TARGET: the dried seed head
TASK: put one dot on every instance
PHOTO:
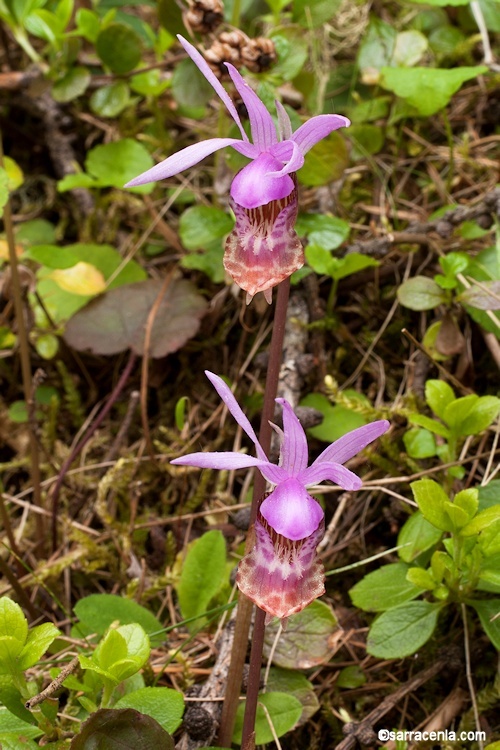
(220, 53)
(204, 16)
(258, 54)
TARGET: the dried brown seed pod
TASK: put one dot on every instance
(258, 54)
(234, 38)
(204, 16)
(220, 53)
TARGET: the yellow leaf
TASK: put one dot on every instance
(4, 250)
(81, 279)
(14, 173)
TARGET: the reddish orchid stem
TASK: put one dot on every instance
(83, 442)
(242, 627)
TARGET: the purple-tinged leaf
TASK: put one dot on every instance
(483, 296)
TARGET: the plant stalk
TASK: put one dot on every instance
(245, 606)
(24, 354)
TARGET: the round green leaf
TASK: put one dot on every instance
(421, 293)
(97, 612)
(73, 84)
(284, 711)
(109, 101)
(114, 164)
(166, 706)
(325, 162)
(119, 47)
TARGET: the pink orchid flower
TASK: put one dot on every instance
(263, 248)
(282, 573)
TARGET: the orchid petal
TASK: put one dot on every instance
(257, 183)
(182, 160)
(261, 122)
(317, 128)
(291, 511)
(293, 457)
(227, 396)
(289, 152)
(218, 460)
(204, 68)
(348, 445)
(337, 473)
(284, 124)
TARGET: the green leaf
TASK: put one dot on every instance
(457, 515)
(190, 88)
(438, 395)
(431, 500)
(376, 49)
(328, 232)
(39, 639)
(468, 500)
(409, 48)
(4, 190)
(350, 678)
(366, 139)
(72, 85)
(489, 494)
(489, 540)
(384, 588)
(481, 521)
(419, 443)
(114, 164)
(337, 420)
(296, 684)
(165, 705)
(88, 24)
(420, 293)
(119, 47)
(13, 632)
(427, 89)
(307, 640)
(488, 611)
(202, 225)
(208, 261)
(97, 612)
(110, 100)
(325, 162)
(203, 574)
(429, 424)
(416, 536)
(481, 416)
(149, 83)
(313, 13)
(421, 578)
(284, 711)
(350, 264)
(121, 729)
(123, 651)
(403, 630)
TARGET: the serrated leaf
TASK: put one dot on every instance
(420, 293)
(117, 320)
(403, 630)
(165, 705)
(202, 575)
(284, 711)
(307, 640)
(427, 89)
(121, 729)
(384, 588)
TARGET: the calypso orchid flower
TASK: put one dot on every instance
(282, 573)
(263, 249)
